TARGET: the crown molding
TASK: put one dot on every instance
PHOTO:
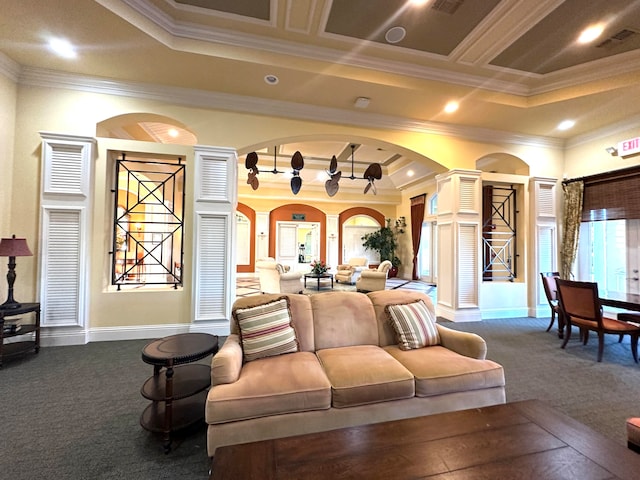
(9, 68)
(606, 132)
(258, 106)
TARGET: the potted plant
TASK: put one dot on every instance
(385, 242)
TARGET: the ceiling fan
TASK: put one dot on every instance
(372, 173)
(297, 164)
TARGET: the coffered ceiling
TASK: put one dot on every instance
(515, 66)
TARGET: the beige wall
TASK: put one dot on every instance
(78, 113)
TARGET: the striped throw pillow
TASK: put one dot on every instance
(414, 325)
(266, 330)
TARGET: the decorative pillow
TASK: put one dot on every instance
(266, 330)
(414, 325)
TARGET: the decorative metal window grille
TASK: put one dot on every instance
(499, 233)
(148, 227)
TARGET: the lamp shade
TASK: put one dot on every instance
(14, 247)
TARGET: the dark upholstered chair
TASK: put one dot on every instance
(580, 305)
(551, 291)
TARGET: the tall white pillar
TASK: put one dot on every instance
(459, 239)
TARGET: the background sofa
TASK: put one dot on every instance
(276, 278)
(350, 272)
(372, 280)
(348, 370)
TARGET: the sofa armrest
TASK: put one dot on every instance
(464, 343)
(227, 363)
(373, 274)
(291, 276)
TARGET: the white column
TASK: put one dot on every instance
(214, 275)
(262, 235)
(332, 241)
(459, 236)
(544, 258)
(63, 264)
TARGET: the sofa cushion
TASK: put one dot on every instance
(414, 325)
(438, 370)
(271, 386)
(343, 319)
(365, 374)
(265, 330)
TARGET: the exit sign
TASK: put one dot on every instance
(629, 147)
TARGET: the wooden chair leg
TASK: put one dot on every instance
(600, 345)
(567, 335)
(634, 347)
(553, 319)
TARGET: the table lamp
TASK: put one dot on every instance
(13, 247)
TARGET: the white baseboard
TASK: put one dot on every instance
(58, 338)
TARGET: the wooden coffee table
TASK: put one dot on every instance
(524, 440)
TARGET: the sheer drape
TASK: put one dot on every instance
(573, 193)
(417, 216)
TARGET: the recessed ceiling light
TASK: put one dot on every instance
(271, 79)
(395, 34)
(173, 132)
(362, 102)
(566, 124)
(410, 173)
(62, 48)
(451, 107)
(418, 3)
(590, 33)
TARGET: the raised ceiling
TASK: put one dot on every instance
(514, 65)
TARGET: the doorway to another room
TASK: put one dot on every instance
(297, 244)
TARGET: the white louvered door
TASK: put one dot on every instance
(214, 238)
(67, 166)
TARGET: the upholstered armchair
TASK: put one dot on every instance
(350, 272)
(275, 278)
(372, 280)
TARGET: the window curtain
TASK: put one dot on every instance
(417, 216)
(573, 194)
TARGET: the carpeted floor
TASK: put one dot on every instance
(73, 412)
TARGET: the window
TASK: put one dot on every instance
(499, 240)
(148, 225)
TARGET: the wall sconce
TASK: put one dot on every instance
(332, 236)
(262, 235)
(13, 247)
(613, 151)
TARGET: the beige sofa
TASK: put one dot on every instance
(350, 272)
(348, 371)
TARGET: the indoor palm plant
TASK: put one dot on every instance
(385, 242)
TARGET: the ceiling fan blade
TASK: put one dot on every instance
(366, 189)
(373, 171)
(297, 162)
(333, 165)
(331, 186)
(251, 161)
(296, 183)
(253, 180)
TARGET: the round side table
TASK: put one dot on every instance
(178, 396)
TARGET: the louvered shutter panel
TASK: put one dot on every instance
(61, 256)
(67, 166)
(215, 199)
(212, 265)
(467, 195)
(467, 265)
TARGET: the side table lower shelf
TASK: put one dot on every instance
(185, 407)
(185, 412)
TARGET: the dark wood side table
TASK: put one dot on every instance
(318, 277)
(178, 396)
(17, 348)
